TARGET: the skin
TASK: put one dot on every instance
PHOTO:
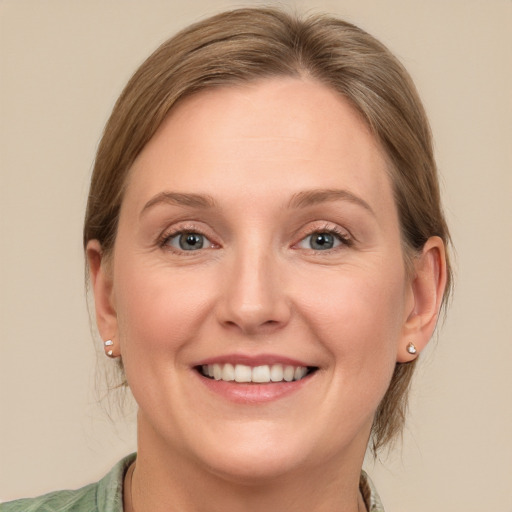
(258, 287)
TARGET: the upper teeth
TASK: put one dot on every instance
(260, 374)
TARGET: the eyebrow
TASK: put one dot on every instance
(298, 200)
(312, 197)
(179, 199)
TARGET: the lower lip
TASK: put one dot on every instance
(253, 393)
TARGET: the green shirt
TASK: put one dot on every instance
(103, 496)
(107, 495)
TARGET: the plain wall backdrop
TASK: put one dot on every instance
(63, 64)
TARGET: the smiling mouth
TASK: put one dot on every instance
(263, 374)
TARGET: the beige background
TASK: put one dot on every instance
(63, 63)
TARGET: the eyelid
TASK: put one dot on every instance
(343, 235)
(181, 228)
(173, 239)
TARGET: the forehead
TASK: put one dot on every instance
(286, 133)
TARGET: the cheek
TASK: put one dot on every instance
(358, 315)
(158, 308)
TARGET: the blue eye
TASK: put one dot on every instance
(188, 241)
(321, 241)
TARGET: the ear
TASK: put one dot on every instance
(101, 280)
(427, 290)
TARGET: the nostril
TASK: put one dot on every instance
(254, 325)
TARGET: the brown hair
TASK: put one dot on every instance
(249, 44)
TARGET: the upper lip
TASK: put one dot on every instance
(252, 360)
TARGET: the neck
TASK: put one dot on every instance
(166, 481)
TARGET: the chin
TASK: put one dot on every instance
(255, 466)
(267, 452)
(247, 452)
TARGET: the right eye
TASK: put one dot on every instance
(187, 241)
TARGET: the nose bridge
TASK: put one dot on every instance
(253, 296)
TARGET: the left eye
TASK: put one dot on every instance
(188, 241)
(320, 241)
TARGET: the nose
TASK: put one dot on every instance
(253, 297)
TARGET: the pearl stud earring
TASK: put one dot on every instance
(411, 348)
(110, 352)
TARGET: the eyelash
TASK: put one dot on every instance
(342, 236)
(163, 240)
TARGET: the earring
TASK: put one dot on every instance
(411, 348)
(110, 352)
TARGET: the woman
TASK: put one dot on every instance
(267, 253)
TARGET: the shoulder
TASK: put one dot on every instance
(107, 494)
(370, 495)
(83, 500)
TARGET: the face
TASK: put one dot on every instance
(258, 288)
